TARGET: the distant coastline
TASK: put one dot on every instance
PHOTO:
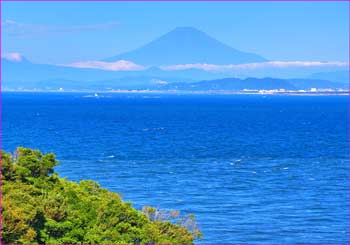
(282, 92)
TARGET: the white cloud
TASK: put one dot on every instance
(13, 57)
(160, 82)
(15, 28)
(251, 66)
(120, 65)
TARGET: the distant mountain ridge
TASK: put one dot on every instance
(236, 84)
(187, 45)
(175, 84)
(25, 72)
(183, 45)
(336, 76)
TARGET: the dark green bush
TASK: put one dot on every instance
(40, 207)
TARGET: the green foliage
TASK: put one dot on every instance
(40, 207)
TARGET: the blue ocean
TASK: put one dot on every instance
(251, 168)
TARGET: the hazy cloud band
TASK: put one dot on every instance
(14, 28)
(121, 65)
(261, 65)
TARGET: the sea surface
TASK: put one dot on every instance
(251, 168)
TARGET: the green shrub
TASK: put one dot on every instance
(40, 207)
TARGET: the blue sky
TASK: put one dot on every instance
(63, 32)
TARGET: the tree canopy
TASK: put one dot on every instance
(40, 207)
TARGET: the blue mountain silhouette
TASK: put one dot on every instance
(186, 45)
